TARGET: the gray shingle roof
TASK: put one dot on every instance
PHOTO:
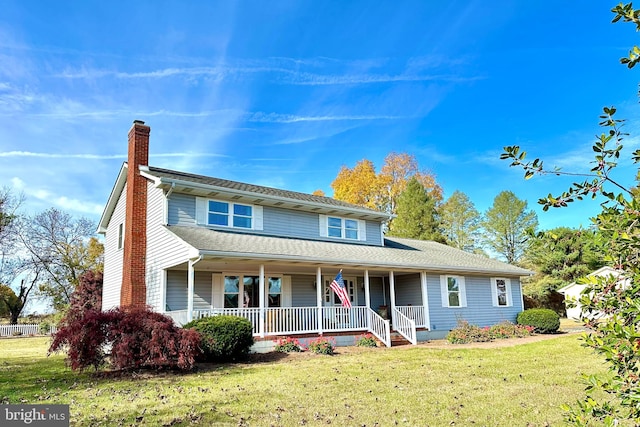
(397, 253)
(251, 188)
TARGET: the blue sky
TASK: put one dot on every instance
(284, 93)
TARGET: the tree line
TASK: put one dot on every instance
(415, 200)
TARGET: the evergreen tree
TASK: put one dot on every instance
(417, 216)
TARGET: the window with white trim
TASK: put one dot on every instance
(229, 214)
(342, 228)
(501, 292)
(243, 291)
(121, 235)
(453, 291)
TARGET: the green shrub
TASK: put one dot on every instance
(223, 338)
(288, 345)
(44, 328)
(544, 320)
(367, 340)
(322, 346)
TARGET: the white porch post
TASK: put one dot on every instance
(262, 301)
(319, 286)
(190, 287)
(367, 294)
(392, 293)
(163, 291)
(425, 299)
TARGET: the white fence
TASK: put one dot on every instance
(24, 330)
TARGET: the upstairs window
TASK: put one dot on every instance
(218, 213)
(342, 228)
(228, 214)
(242, 215)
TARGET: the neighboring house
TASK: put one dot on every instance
(573, 291)
(192, 246)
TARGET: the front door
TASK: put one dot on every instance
(331, 299)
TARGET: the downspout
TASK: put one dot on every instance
(191, 286)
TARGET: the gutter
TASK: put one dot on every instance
(434, 269)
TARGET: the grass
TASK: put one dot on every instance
(521, 385)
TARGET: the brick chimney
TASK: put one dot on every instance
(133, 292)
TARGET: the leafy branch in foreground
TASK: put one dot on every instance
(607, 152)
(610, 305)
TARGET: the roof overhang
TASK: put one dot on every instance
(213, 191)
(121, 180)
(346, 263)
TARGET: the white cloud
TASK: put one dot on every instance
(290, 118)
(315, 71)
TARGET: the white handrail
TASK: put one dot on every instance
(405, 326)
(379, 327)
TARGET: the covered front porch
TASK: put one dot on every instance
(285, 299)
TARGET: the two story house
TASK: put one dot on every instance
(190, 246)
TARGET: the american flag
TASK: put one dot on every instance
(338, 287)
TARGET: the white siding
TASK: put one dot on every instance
(163, 249)
(113, 256)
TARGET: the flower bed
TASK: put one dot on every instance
(466, 333)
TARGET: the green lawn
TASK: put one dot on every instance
(522, 385)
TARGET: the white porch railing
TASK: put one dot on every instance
(300, 320)
(405, 326)
(291, 320)
(251, 314)
(379, 327)
(335, 319)
(415, 313)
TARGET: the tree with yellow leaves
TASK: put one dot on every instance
(364, 187)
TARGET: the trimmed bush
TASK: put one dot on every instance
(544, 320)
(223, 338)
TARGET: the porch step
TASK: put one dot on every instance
(398, 340)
